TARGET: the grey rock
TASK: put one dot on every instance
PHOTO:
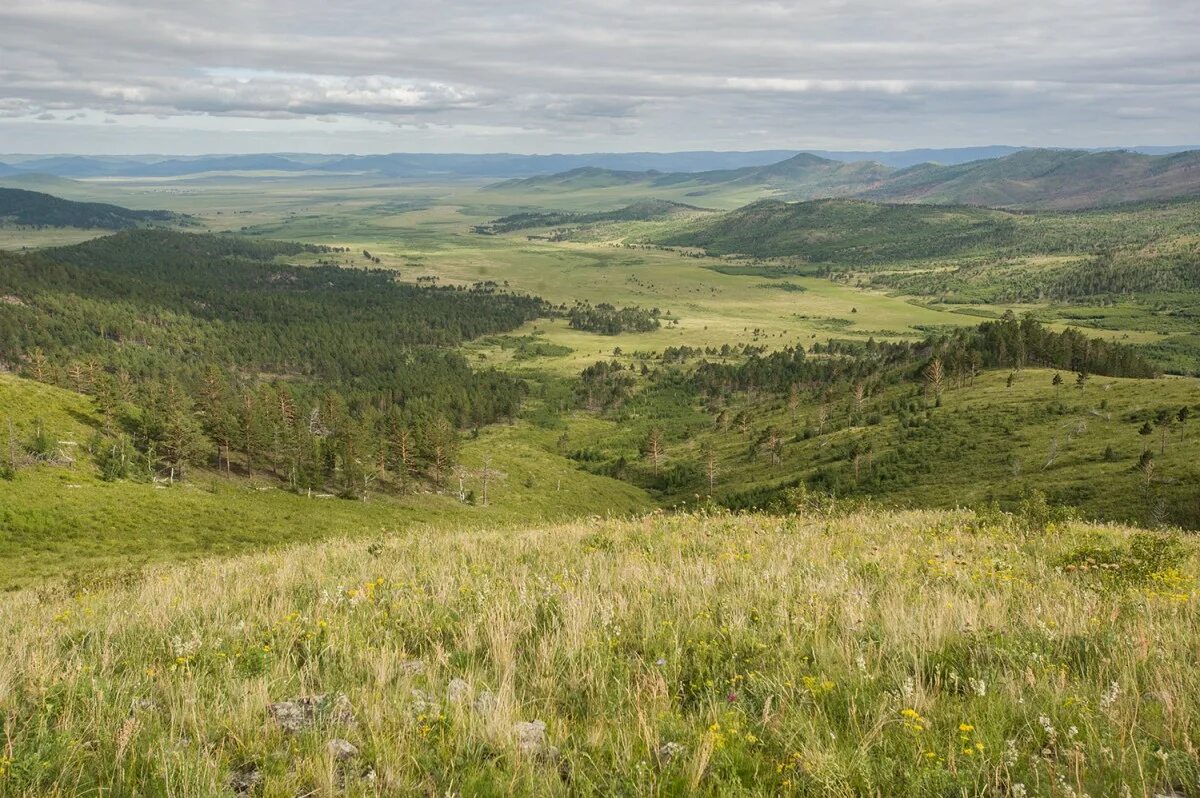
(458, 691)
(531, 736)
(412, 667)
(341, 749)
(304, 712)
(245, 779)
(485, 703)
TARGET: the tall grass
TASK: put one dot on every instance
(914, 653)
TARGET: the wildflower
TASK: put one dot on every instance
(913, 721)
(1110, 695)
(670, 750)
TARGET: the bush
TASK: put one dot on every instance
(1035, 515)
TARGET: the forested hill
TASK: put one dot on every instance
(156, 303)
(848, 231)
(283, 363)
(35, 209)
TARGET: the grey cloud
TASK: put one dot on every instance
(574, 74)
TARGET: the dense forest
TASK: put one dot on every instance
(205, 349)
(35, 209)
(606, 319)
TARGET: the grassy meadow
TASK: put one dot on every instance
(904, 653)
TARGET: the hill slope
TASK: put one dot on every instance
(59, 518)
(1065, 179)
(641, 211)
(867, 654)
(1052, 179)
(33, 208)
(846, 231)
(802, 175)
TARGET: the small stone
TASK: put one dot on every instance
(424, 704)
(292, 716)
(670, 750)
(341, 749)
(485, 703)
(412, 667)
(303, 712)
(245, 779)
(341, 711)
(531, 736)
(458, 691)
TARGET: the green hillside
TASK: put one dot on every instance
(848, 231)
(647, 210)
(61, 517)
(1062, 179)
(34, 209)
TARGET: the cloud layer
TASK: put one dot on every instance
(374, 75)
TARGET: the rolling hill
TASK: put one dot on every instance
(641, 211)
(847, 231)
(35, 209)
(802, 176)
(1059, 179)
(1028, 179)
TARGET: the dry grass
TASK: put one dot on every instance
(916, 653)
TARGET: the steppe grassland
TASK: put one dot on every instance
(921, 653)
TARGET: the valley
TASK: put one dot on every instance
(584, 484)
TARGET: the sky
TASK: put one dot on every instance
(370, 76)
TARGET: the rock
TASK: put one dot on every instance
(424, 704)
(303, 712)
(341, 749)
(292, 716)
(412, 667)
(485, 703)
(341, 711)
(531, 736)
(669, 751)
(458, 691)
(245, 779)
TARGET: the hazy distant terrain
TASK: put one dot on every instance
(1063, 179)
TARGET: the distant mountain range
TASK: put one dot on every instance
(491, 165)
(1057, 179)
(35, 209)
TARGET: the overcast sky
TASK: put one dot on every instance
(190, 76)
